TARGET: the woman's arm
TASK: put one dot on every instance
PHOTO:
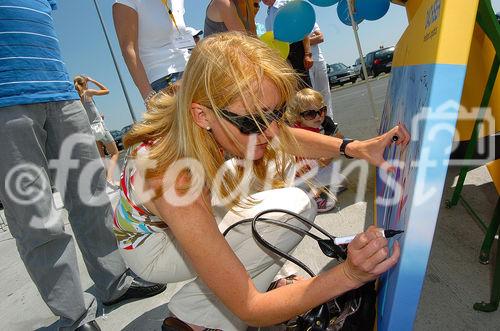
(126, 26)
(308, 60)
(314, 145)
(225, 11)
(316, 38)
(103, 90)
(194, 227)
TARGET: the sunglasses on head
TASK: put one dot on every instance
(250, 125)
(311, 114)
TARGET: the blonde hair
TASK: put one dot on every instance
(304, 99)
(222, 68)
(80, 83)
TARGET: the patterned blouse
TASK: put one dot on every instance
(133, 223)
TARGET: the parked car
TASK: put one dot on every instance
(378, 61)
(117, 136)
(125, 129)
(357, 67)
(339, 74)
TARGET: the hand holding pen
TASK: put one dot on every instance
(348, 239)
(368, 256)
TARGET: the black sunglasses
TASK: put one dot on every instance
(311, 114)
(250, 125)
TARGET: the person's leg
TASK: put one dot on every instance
(48, 252)
(330, 175)
(319, 81)
(312, 75)
(194, 303)
(159, 259)
(113, 158)
(100, 148)
(79, 177)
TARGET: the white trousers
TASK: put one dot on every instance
(319, 81)
(160, 259)
(328, 175)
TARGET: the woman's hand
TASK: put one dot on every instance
(372, 150)
(308, 61)
(368, 257)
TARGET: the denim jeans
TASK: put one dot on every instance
(165, 81)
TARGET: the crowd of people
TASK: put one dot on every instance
(226, 119)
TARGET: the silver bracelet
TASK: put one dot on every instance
(148, 97)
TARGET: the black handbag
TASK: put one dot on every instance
(352, 311)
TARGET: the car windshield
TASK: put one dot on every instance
(338, 67)
(115, 133)
(125, 129)
(384, 52)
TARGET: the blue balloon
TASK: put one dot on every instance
(372, 9)
(343, 13)
(294, 21)
(323, 3)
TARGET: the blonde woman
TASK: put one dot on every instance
(178, 194)
(102, 136)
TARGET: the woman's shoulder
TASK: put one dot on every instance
(215, 3)
(216, 7)
(85, 96)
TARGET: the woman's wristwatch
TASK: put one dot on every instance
(345, 142)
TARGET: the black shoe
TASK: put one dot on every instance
(139, 289)
(174, 324)
(90, 326)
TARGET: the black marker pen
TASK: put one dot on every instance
(348, 239)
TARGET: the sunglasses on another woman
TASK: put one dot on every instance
(253, 125)
(311, 114)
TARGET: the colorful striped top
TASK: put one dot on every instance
(133, 223)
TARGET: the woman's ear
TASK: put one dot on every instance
(200, 115)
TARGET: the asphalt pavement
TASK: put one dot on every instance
(455, 280)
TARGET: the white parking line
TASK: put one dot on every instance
(357, 92)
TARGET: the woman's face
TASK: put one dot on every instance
(251, 146)
(84, 85)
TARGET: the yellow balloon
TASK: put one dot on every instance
(281, 46)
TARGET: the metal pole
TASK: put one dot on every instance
(362, 59)
(131, 110)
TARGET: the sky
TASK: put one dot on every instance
(85, 51)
